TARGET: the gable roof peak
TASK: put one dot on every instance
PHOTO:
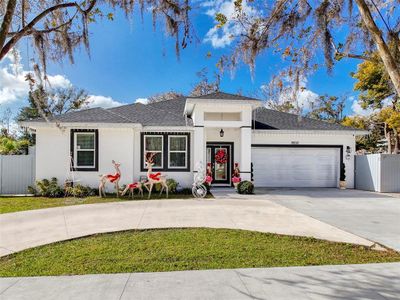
(223, 96)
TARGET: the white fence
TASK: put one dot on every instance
(378, 172)
(17, 172)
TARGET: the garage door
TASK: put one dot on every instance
(295, 167)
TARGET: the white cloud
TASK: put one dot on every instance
(14, 88)
(142, 100)
(221, 37)
(102, 101)
(358, 110)
(59, 81)
(305, 99)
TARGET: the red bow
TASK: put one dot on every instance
(155, 176)
(133, 185)
(113, 178)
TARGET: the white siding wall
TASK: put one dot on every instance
(119, 144)
(230, 135)
(245, 111)
(284, 138)
(123, 145)
(52, 155)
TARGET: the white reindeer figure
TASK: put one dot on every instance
(111, 178)
(155, 178)
(132, 187)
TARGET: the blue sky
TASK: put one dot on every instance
(129, 61)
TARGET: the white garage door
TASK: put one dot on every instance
(295, 167)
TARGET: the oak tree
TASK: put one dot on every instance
(57, 27)
(306, 32)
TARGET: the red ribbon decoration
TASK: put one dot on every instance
(221, 157)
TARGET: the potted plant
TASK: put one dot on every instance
(236, 176)
(342, 182)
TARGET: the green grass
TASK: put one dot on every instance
(183, 249)
(14, 204)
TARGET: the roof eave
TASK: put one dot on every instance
(54, 124)
(313, 131)
(191, 103)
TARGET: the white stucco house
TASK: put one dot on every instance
(272, 148)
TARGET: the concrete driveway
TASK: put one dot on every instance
(27, 229)
(373, 216)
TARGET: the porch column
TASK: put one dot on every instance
(245, 153)
(199, 147)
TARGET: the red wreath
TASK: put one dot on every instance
(221, 157)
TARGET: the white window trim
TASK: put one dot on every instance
(161, 151)
(177, 151)
(91, 150)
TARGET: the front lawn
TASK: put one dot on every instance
(183, 249)
(14, 204)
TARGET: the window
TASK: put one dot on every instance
(171, 149)
(84, 145)
(177, 151)
(154, 144)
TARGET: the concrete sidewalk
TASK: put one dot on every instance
(28, 229)
(373, 281)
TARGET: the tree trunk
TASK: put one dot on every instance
(6, 24)
(388, 136)
(383, 49)
(396, 149)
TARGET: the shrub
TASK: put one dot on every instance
(172, 185)
(48, 188)
(245, 187)
(32, 190)
(80, 191)
(12, 146)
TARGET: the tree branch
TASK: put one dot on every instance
(29, 27)
(339, 55)
(5, 26)
(48, 30)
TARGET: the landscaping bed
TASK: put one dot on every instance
(183, 249)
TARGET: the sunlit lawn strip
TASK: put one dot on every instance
(183, 249)
(14, 204)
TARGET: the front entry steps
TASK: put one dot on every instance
(225, 193)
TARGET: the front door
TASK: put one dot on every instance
(220, 156)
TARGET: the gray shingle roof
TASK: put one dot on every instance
(170, 113)
(265, 118)
(91, 115)
(165, 113)
(223, 96)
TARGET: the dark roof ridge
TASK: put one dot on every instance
(160, 109)
(127, 104)
(227, 95)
